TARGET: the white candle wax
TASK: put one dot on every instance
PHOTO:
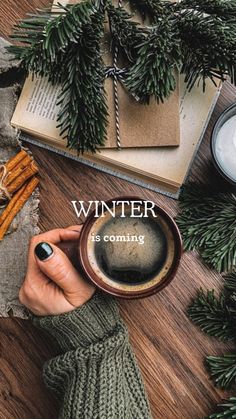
(225, 148)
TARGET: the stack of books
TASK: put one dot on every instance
(159, 141)
(162, 168)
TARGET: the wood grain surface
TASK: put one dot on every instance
(169, 348)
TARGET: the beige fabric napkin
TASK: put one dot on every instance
(13, 249)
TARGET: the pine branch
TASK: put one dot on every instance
(227, 410)
(189, 197)
(208, 47)
(213, 316)
(230, 282)
(47, 35)
(126, 33)
(230, 291)
(217, 317)
(157, 59)
(55, 29)
(66, 48)
(219, 8)
(223, 370)
(152, 9)
(83, 115)
(208, 224)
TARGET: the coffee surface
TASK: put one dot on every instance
(131, 250)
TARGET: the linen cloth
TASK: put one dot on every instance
(13, 248)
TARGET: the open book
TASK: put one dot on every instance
(161, 169)
(140, 125)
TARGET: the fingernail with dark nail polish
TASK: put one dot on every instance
(43, 251)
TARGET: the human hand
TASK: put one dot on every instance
(52, 285)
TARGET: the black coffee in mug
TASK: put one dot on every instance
(131, 250)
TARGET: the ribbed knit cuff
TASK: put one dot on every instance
(92, 322)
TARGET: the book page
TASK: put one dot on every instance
(42, 101)
(36, 110)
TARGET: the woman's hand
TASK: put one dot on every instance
(52, 285)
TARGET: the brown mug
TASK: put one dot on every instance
(126, 266)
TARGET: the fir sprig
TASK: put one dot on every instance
(65, 45)
(213, 315)
(230, 283)
(227, 410)
(223, 370)
(47, 35)
(222, 9)
(207, 221)
(152, 9)
(82, 98)
(126, 33)
(217, 317)
(153, 73)
(198, 32)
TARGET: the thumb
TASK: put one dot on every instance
(56, 266)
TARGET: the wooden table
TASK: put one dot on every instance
(169, 348)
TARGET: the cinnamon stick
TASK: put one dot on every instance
(12, 203)
(23, 195)
(14, 161)
(18, 169)
(27, 173)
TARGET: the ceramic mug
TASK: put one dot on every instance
(130, 257)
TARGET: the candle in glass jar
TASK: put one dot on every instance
(224, 144)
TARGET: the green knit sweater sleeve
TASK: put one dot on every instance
(96, 375)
